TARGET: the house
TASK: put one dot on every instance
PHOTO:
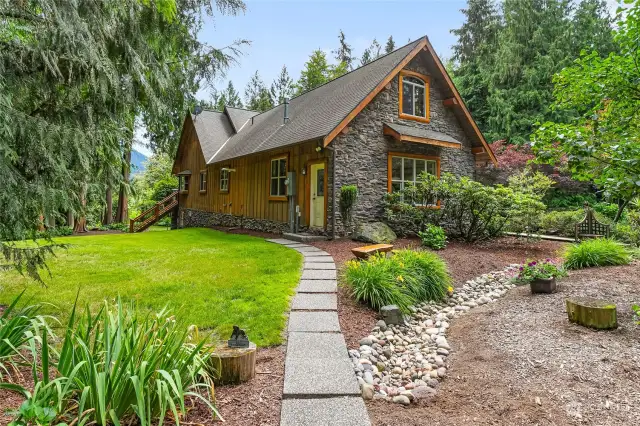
(377, 127)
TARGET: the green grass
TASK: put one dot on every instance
(208, 278)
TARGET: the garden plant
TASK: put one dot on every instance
(596, 252)
(433, 237)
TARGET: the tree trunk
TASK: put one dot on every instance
(622, 204)
(122, 214)
(108, 211)
(70, 219)
(234, 365)
(592, 313)
(81, 224)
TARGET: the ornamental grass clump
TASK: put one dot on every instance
(117, 367)
(596, 252)
(402, 279)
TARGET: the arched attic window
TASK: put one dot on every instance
(414, 96)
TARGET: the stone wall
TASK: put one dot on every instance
(361, 154)
(191, 218)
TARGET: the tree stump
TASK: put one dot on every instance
(234, 365)
(592, 313)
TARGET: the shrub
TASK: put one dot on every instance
(402, 279)
(433, 237)
(629, 231)
(561, 222)
(569, 201)
(58, 231)
(117, 368)
(596, 252)
(348, 197)
(469, 210)
(608, 210)
(18, 326)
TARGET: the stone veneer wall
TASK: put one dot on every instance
(361, 154)
(190, 218)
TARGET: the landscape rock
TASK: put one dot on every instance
(374, 232)
(401, 399)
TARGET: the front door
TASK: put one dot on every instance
(316, 215)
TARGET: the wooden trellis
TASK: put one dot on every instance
(590, 227)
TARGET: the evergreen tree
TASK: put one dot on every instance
(474, 55)
(228, 97)
(256, 94)
(317, 72)
(591, 29)
(390, 46)
(371, 53)
(343, 53)
(282, 87)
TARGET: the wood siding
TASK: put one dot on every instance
(248, 193)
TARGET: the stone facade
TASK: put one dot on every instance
(361, 154)
(192, 218)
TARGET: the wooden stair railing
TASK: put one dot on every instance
(154, 214)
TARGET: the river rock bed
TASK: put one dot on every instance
(404, 363)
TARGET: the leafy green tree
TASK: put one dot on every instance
(390, 46)
(228, 97)
(155, 183)
(256, 94)
(344, 52)
(317, 71)
(282, 87)
(602, 141)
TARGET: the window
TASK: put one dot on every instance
(405, 170)
(224, 180)
(413, 96)
(278, 177)
(203, 181)
(184, 183)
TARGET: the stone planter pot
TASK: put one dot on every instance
(542, 285)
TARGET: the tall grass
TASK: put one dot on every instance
(596, 252)
(115, 367)
(402, 279)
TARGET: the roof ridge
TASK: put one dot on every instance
(241, 109)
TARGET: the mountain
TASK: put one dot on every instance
(137, 162)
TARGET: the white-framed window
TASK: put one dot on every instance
(278, 178)
(414, 96)
(406, 170)
(203, 180)
(224, 180)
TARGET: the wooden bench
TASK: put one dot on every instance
(366, 251)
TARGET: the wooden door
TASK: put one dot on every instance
(318, 191)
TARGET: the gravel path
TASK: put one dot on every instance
(519, 361)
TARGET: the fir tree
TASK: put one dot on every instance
(390, 46)
(344, 53)
(229, 97)
(317, 72)
(256, 94)
(282, 87)
(371, 53)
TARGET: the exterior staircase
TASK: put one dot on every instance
(154, 214)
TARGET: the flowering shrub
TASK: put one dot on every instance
(545, 270)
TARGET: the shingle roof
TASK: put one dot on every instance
(239, 116)
(213, 129)
(312, 115)
(420, 132)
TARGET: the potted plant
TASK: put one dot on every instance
(541, 276)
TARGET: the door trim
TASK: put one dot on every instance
(308, 191)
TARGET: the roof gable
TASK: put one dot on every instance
(238, 116)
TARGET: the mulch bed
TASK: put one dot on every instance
(520, 362)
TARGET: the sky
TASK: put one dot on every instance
(286, 32)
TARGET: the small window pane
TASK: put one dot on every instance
(431, 167)
(408, 169)
(274, 168)
(396, 186)
(419, 107)
(274, 186)
(407, 99)
(320, 183)
(414, 80)
(396, 168)
(420, 167)
(283, 167)
(283, 187)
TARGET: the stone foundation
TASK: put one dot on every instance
(191, 218)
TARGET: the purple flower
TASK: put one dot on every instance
(522, 268)
(534, 263)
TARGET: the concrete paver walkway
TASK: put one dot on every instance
(320, 386)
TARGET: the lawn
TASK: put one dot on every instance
(208, 278)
